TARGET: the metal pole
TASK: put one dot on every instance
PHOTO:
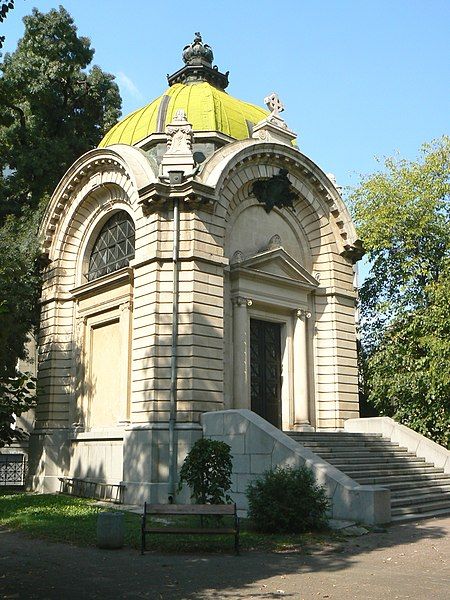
(173, 356)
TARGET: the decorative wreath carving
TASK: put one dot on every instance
(276, 191)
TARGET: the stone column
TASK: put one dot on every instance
(241, 353)
(301, 396)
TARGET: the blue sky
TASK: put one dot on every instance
(359, 78)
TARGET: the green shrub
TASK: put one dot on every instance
(287, 500)
(207, 471)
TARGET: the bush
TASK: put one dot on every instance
(207, 471)
(287, 500)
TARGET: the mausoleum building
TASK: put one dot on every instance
(197, 261)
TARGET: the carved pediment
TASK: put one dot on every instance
(276, 263)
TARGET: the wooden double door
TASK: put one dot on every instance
(265, 370)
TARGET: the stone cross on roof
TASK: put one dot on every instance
(274, 104)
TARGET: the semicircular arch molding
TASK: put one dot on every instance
(242, 162)
(126, 168)
(308, 222)
(80, 229)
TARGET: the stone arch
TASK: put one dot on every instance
(104, 170)
(252, 160)
(81, 226)
(322, 230)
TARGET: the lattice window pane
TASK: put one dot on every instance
(114, 246)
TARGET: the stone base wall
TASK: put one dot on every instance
(256, 446)
(138, 457)
(49, 459)
(146, 460)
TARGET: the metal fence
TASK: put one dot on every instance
(13, 470)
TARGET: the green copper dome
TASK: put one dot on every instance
(198, 88)
(207, 107)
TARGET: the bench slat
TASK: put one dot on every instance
(189, 509)
(188, 530)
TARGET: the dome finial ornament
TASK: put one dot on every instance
(198, 53)
(198, 58)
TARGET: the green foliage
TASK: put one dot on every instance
(207, 471)
(59, 518)
(19, 287)
(403, 217)
(409, 372)
(17, 395)
(74, 520)
(5, 7)
(287, 500)
(19, 313)
(51, 109)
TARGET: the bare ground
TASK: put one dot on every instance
(405, 561)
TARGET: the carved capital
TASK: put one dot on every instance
(302, 313)
(241, 301)
(125, 306)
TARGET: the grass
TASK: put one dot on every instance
(74, 520)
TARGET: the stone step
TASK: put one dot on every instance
(379, 445)
(419, 498)
(387, 480)
(386, 470)
(423, 515)
(417, 487)
(336, 437)
(376, 460)
(422, 488)
(349, 453)
(419, 508)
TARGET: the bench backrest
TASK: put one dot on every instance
(189, 509)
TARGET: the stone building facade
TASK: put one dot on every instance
(197, 261)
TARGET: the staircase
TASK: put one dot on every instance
(418, 489)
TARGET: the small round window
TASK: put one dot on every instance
(114, 246)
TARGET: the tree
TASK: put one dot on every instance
(19, 287)
(403, 216)
(17, 395)
(51, 111)
(5, 7)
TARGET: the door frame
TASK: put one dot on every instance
(272, 287)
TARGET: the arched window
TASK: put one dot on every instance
(114, 246)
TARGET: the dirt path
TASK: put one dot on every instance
(406, 561)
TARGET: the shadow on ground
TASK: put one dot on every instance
(31, 568)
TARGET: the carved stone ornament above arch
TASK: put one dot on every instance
(225, 166)
(98, 171)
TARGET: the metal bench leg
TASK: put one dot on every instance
(143, 524)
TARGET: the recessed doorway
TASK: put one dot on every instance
(265, 369)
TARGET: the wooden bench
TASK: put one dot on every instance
(216, 510)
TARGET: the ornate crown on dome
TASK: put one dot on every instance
(198, 53)
(198, 59)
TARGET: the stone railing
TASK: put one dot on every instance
(406, 437)
(256, 446)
